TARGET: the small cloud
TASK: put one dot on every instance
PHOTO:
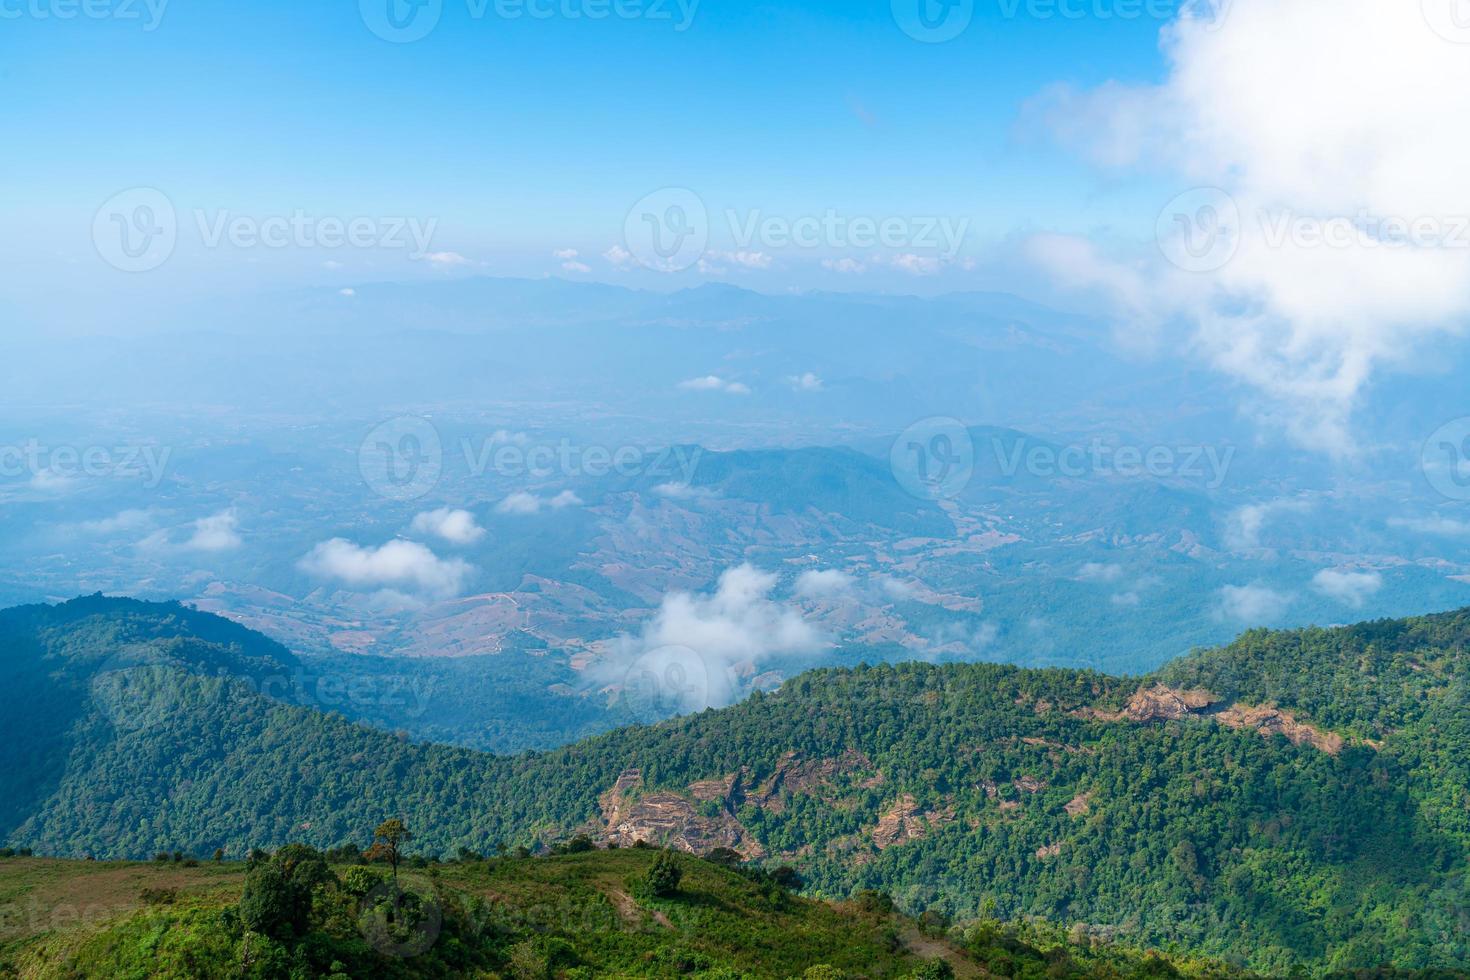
(566, 498)
(215, 533)
(1253, 604)
(331, 264)
(897, 589)
(504, 437)
(347, 292)
(447, 259)
(1097, 572)
(576, 267)
(1244, 525)
(917, 265)
(682, 491)
(1350, 588)
(49, 481)
(520, 503)
(844, 266)
(454, 526)
(618, 256)
(1445, 527)
(565, 254)
(396, 566)
(825, 583)
(712, 382)
(1127, 600)
(805, 382)
(523, 504)
(121, 522)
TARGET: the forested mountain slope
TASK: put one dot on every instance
(1294, 797)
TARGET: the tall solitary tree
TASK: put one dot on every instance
(388, 841)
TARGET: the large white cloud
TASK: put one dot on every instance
(1252, 605)
(1348, 587)
(1343, 116)
(738, 625)
(400, 566)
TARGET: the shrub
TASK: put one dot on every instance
(278, 893)
(664, 875)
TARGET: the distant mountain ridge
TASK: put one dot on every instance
(1266, 802)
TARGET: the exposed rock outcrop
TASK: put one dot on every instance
(1273, 721)
(670, 820)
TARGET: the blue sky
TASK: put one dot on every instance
(520, 136)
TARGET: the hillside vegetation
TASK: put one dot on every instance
(1296, 798)
(573, 916)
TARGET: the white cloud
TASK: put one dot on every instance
(1447, 527)
(454, 526)
(1254, 605)
(1350, 588)
(504, 437)
(49, 481)
(397, 565)
(215, 533)
(576, 267)
(844, 266)
(565, 254)
(524, 504)
(825, 583)
(898, 589)
(519, 502)
(1098, 572)
(1244, 525)
(738, 625)
(681, 491)
(618, 256)
(917, 265)
(347, 292)
(1337, 110)
(805, 382)
(447, 259)
(126, 520)
(711, 382)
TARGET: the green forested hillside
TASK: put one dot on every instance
(1293, 798)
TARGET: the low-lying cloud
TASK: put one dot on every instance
(400, 566)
